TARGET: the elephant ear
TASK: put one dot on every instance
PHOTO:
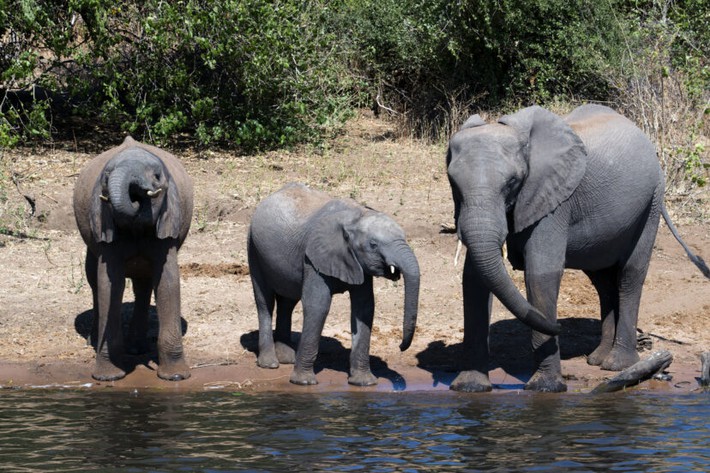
(101, 219)
(328, 247)
(473, 121)
(170, 218)
(557, 161)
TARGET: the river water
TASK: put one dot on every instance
(371, 432)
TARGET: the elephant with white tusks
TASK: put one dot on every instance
(133, 206)
(584, 192)
(304, 245)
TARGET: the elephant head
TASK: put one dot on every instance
(135, 193)
(348, 242)
(504, 178)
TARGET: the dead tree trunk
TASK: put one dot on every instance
(634, 374)
(705, 369)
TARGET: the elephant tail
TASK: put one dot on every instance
(697, 260)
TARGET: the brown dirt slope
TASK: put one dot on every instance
(45, 302)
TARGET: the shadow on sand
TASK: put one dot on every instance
(510, 350)
(334, 356)
(84, 322)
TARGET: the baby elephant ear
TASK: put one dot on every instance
(101, 221)
(170, 218)
(328, 247)
(557, 161)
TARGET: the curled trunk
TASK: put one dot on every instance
(484, 249)
(119, 183)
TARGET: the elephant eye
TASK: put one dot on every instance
(511, 185)
(373, 245)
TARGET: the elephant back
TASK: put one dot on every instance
(289, 207)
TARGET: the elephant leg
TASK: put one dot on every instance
(264, 298)
(362, 311)
(477, 303)
(544, 267)
(282, 335)
(110, 284)
(631, 277)
(316, 299)
(166, 282)
(605, 281)
(91, 267)
(138, 328)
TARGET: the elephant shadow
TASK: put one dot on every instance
(509, 342)
(85, 320)
(334, 356)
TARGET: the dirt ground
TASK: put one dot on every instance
(45, 302)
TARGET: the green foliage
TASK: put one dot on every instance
(682, 29)
(23, 123)
(256, 74)
(420, 57)
(250, 73)
(662, 82)
(694, 165)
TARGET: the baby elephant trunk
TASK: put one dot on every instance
(405, 261)
(119, 183)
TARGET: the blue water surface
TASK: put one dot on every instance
(342, 432)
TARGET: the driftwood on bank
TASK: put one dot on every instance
(634, 374)
(705, 369)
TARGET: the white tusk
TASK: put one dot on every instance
(458, 253)
(103, 197)
(392, 269)
(155, 192)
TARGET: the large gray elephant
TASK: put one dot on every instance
(304, 245)
(133, 206)
(583, 192)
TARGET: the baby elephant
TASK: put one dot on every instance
(304, 245)
(133, 207)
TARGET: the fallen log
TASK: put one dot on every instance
(636, 373)
(705, 369)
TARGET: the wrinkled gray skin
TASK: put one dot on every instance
(133, 206)
(304, 245)
(583, 192)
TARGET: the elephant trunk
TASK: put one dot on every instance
(119, 184)
(484, 241)
(406, 262)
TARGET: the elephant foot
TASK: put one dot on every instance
(596, 357)
(546, 383)
(175, 371)
(619, 359)
(285, 353)
(267, 359)
(472, 382)
(107, 371)
(362, 378)
(303, 378)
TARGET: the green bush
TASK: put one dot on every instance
(249, 73)
(420, 57)
(259, 74)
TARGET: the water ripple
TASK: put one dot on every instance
(375, 432)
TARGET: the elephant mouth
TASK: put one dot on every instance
(137, 194)
(392, 272)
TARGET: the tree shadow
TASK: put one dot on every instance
(510, 350)
(334, 356)
(84, 321)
